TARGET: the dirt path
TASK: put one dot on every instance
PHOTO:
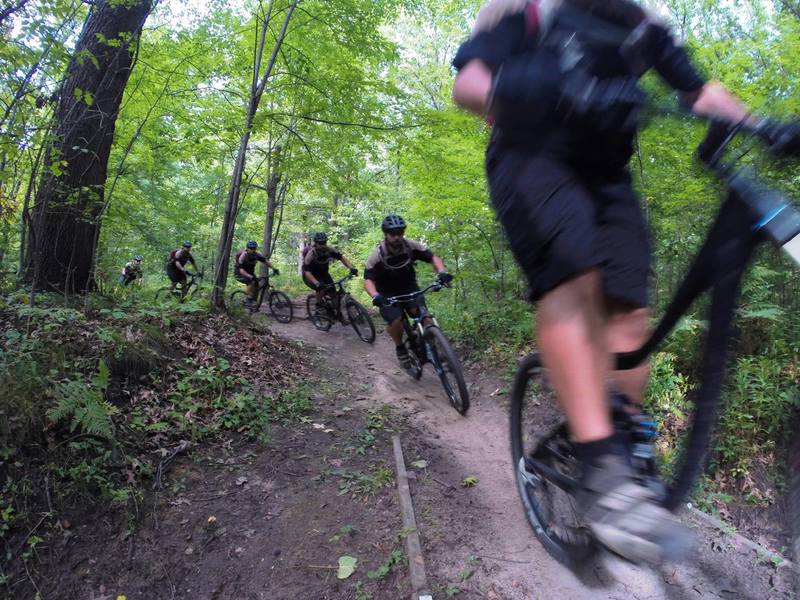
(477, 540)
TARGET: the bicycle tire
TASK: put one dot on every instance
(167, 293)
(549, 508)
(448, 367)
(360, 320)
(192, 293)
(414, 368)
(239, 298)
(320, 319)
(342, 300)
(280, 305)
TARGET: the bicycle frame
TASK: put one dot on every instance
(417, 330)
(751, 215)
(193, 281)
(262, 291)
(333, 293)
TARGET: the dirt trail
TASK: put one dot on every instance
(487, 522)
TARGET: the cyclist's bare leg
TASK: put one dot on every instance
(627, 330)
(252, 289)
(572, 342)
(395, 330)
(573, 337)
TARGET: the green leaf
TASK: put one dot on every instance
(347, 566)
(470, 481)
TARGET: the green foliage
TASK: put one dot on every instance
(83, 405)
(761, 397)
(395, 558)
(359, 483)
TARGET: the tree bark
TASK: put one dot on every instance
(69, 199)
(272, 196)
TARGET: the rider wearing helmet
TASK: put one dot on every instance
(390, 272)
(559, 83)
(244, 267)
(316, 264)
(132, 271)
(176, 265)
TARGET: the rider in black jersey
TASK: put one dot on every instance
(244, 267)
(390, 272)
(558, 82)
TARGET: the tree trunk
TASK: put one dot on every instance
(232, 206)
(269, 217)
(277, 226)
(272, 202)
(69, 199)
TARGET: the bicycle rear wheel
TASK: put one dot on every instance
(318, 314)
(448, 368)
(360, 320)
(545, 468)
(280, 305)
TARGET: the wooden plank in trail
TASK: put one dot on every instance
(416, 564)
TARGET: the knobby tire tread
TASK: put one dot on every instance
(441, 344)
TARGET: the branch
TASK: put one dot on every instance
(349, 123)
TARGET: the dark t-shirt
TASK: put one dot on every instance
(183, 256)
(511, 28)
(393, 271)
(317, 261)
(246, 261)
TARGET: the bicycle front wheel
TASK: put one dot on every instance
(168, 294)
(545, 468)
(318, 314)
(448, 368)
(360, 320)
(280, 305)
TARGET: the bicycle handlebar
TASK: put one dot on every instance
(335, 284)
(435, 286)
(773, 212)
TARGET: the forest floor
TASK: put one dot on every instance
(247, 520)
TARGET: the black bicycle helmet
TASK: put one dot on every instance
(138, 258)
(187, 244)
(393, 223)
(320, 238)
(252, 245)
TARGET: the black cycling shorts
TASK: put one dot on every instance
(561, 223)
(325, 279)
(245, 281)
(391, 313)
(175, 274)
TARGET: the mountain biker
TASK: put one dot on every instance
(390, 272)
(176, 264)
(316, 264)
(563, 101)
(131, 271)
(244, 267)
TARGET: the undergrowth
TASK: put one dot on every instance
(95, 395)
